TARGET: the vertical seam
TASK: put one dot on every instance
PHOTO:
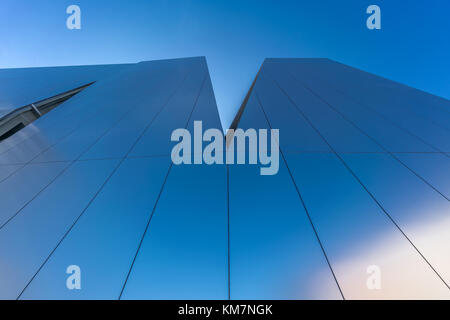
(304, 205)
(361, 183)
(157, 200)
(101, 188)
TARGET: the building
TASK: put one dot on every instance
(358, 210)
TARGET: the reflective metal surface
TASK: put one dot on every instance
(29, 238)
(362, 189)
(105, 239)
(376, 194)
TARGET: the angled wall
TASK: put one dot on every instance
(93, 185)
(363, 187)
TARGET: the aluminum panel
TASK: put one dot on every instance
(274, 251)
(342, 135)
(156, 141)
(358, 235)
(434, 167)
(106, 237)
(160, 95)
(28, 239)
(422, 213)
(383, 131)
(184, 254)
(24, 184)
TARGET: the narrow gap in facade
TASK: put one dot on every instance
(238, 116)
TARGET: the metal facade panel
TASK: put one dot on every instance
(340, 134)
(395, 102)
(30, 237)
(156, 141)
(7, 170)
(24, 184)
(420, 212)
(24, 86)
(105, 239)
(274, 250)
(184, 254)
(189, 225)
(135, 101)
(434, 167)
(368, 121)
(375, 196)
(362, 182)
(357, 234)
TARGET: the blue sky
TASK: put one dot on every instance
(413, 46)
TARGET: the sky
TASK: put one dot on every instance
(412, 47)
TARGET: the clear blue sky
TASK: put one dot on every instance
(413, 46)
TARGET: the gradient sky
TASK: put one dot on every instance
(413, 46)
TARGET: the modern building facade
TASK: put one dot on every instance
(358, 210)
(363, 188)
